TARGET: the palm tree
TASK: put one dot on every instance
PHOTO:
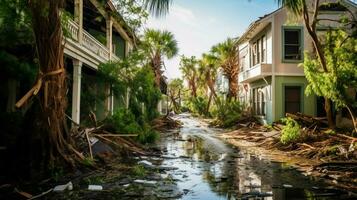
(158, 7)
(208, 70)
(189, 71)
(157, 45)
(227, 55)
(299, 8)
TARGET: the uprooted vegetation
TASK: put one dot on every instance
(307, 137)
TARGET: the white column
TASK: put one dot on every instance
(127, 98)
(78, 17)
(109, 32)
(109, 100)
(159, 107)
(76, 92)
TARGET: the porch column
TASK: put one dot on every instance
(76, 92)
(109, 32)
(109, 102)
(78, 18)
(159, 107)
(127, 98)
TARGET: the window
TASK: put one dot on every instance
(292, 44)
(292, 99)
(242, 64)
(259, 101)
(263, 44)
(258, 51)
(254, 53)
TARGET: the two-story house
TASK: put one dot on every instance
(270, 52)
(97, 34)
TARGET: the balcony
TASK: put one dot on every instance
(90, 49)
(256, 72)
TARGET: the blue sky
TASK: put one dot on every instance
(199, 24)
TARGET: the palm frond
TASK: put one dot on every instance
(295, 6)
(158, 7)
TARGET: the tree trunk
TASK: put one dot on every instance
(318, 47)
(209, 103)
(51, 82)
(233, 88)
(353, 117)
(329, 115)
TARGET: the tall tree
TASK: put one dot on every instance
(158, 45)
(50, 86)
(309, 11)
(208, 70)
(227, 55)
(188, 67)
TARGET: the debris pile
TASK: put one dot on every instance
(336, 152)
(164, 123)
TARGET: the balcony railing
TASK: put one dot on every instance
(89, 42)
(258, 71)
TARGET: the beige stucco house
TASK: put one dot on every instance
(272, 82)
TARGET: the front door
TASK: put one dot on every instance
(292, 99)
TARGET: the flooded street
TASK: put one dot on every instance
(207, 168)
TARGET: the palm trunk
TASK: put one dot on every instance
(233, 88)
(209, 103)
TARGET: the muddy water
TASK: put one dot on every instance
(210, 169)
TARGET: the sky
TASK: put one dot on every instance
(200, 24)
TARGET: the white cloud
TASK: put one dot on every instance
(182, 14)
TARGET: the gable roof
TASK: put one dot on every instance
(255, 24)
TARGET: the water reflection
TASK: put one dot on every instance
(210, 169)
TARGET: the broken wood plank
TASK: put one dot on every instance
(24, 194)
(116, 135)
(89, 144)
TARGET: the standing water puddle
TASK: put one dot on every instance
(210, 169)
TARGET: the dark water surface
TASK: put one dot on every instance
(210, 169)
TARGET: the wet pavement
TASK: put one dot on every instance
(204, 167)
(195, 164)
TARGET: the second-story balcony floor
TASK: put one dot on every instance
(256, 72)
(85, 47)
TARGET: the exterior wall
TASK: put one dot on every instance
(290, 68)
(244, 51)
(269, 42)
(308, 104)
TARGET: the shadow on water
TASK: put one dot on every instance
(210, 169)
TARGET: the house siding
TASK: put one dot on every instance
(308, 102)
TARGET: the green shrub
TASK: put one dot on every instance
(148, 135)
(198, 105)
(227, 112)
(139, 171)
(290, 132)
(123, 121)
